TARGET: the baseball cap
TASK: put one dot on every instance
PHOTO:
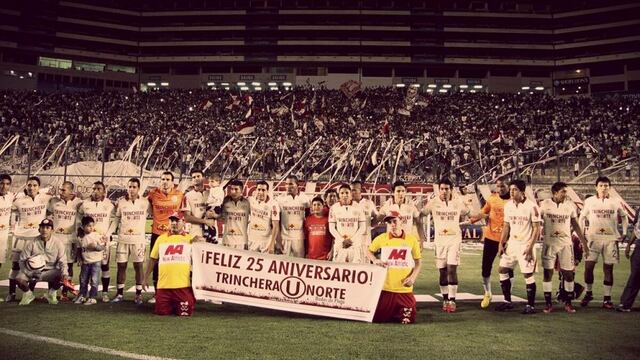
(391, 215)
(46, 222)
(176, 215)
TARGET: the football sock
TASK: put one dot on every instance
(505, 284)
(120, 289)
(138, 289)
(486, 284)
(444, 290)
(453, 290)
(569, 289)
(531, 292)
(546, 287)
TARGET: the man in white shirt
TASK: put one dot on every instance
(370, 215)
(409, 213)
(194, 206)
(447, 211)
(235, 213)
(346, 225)
(6, 203)
(292, 214)
(264, 220)
(602, 213)
(131, 217)
(521, 231)
(560, 218)
(31, 209)
(102, 210)
(64, 212)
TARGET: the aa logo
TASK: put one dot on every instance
(174, 250)
(398, 254)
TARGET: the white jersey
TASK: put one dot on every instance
(521, 218)
(602, 215)
(132, 217)
(446, 218)
(557, 221)
(6, 203)
(348, 221)
(102, 212)
(261, 217)
(65, 216)
(31, 211)
(195, 202)
(408, 213)
(215, 196)
(236, 220)
(292, 215)
(370, 211)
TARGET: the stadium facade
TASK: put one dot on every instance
(561, 48)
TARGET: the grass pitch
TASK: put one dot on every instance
(233, 331)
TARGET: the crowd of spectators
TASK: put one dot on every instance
(461, 134)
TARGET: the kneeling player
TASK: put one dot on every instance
(559, 217)
(400, 253)
(172, 253)
(521, 229)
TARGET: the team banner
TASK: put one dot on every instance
(340, 290)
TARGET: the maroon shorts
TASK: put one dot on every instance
(396, 307)
(180, 302)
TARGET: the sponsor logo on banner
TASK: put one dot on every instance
(340, 290)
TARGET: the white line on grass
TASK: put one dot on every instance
(76, 345)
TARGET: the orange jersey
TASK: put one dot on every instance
(163, 205)
(495, 208)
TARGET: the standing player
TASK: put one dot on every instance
(64, 211)
(409, 213)
(346, 224)
(493, 212)
(521, 230)
(447, 212)
(400, 253)
(131, 215)
(32, 209)
(292, 215)
(370, 214)
(264, 220)
(6, 202)
(164, 201)
(194, 205)
(102, 211)
(318, 239)
(235, 213)
(559, 217)
(602, 214)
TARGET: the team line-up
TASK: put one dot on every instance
(51, 233)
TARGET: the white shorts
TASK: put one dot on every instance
(18, 244)
(447, 254)
(4, 244)
(124, 252)
(293, 247)
(563, 253)
(352, 254)
(515, 255)
(259, 244)
(608, 249)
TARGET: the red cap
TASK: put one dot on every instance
(391, 215)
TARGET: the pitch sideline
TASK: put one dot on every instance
(76, 345)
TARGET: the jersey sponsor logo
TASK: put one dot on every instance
(174, 249)
(397, 254)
